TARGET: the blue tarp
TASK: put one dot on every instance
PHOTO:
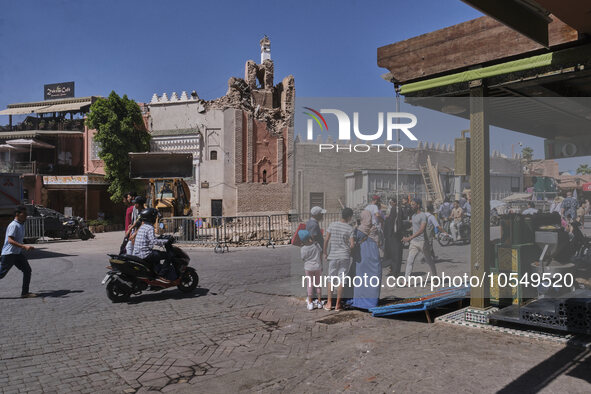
(440, 297)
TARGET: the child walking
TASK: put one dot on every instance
(312, 256)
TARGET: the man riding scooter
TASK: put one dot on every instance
(144, 244)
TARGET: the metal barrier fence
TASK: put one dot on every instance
(219, 232)
(34, 229)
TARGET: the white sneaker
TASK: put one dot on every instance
(319, 304)
(309, 305)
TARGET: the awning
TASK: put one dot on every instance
(42, 107)
(22, 110)
(63, 107)
(30, 143)
(72, 180)
(34, 133)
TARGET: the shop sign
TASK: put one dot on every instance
(58, 90)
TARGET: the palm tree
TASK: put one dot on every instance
(584, 169)
(527, 153)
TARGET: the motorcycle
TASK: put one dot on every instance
(131, 275)
(495, 219)
(446, 239)
(75, 227)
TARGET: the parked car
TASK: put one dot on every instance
(57, 225)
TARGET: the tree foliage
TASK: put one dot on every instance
(120, 130)
(527, 153)
(584, 169)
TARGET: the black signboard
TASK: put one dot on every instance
(58, 90)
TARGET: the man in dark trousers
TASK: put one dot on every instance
(393, 231)
(12, 251)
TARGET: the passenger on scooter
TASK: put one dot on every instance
(145, 241)
(457, 213)
(131, 232)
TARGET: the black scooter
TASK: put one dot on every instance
(131, 275)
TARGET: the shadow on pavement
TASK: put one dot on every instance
(48, 294)
(57, 293)
(169, 294)
(572, 361)
(38, 254)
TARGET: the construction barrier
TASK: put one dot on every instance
(34, 229)
(222, 231)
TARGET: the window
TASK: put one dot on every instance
(95, 149)
(515, 184)
(213, 155)
(264, 176)
(317, 200)
(358, 180)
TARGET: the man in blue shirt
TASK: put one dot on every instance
(12, 251)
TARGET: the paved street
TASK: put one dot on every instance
(243, 331)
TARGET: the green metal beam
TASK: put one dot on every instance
(570, 55)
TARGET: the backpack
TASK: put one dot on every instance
(295, 240)
(429, 230)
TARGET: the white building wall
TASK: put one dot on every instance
(216, 128)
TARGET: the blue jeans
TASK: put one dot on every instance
(20, 262)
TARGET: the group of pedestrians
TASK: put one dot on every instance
(355, 251)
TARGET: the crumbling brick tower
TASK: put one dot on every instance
(264, 143)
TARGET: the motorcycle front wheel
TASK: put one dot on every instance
(189, 281)
(116, 292)
(85, 234)
(444, 240)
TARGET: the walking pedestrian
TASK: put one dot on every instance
(393, 232)
(337, 251)
(417, 240)
(12, 250)
(433, 227)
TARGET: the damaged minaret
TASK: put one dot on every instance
(256, 93)
(242, 143)
(265, 49)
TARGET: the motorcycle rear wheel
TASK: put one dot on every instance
(189, 281)
(116, 292)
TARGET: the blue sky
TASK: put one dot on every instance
(145, 47)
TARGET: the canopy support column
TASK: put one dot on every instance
(480, 257)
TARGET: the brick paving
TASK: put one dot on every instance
(244, 331)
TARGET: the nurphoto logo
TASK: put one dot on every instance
(391, 119)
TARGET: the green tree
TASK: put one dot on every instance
(120, 130)
(527, 153)
(584, 169)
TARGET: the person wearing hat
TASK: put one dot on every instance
(313, 226)
(311, 254)
(138, 205)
